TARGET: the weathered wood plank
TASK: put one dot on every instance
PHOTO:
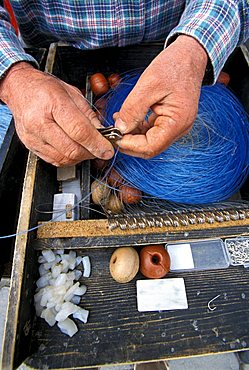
(100, 228)
(17, 277)
(118, 333)
(136, 239)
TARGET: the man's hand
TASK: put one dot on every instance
(170, 86)
(52, 118)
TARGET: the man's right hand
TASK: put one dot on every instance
(52, 118)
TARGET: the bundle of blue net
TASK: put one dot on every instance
(208, 165)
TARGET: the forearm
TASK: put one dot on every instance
(11, 50)
(218, 25)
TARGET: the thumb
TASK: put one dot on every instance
(134, 108)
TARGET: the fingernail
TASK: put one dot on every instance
(121, 125)
(108, 154)
(55, 164)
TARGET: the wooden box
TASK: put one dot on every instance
(116, 332)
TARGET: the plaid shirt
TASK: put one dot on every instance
(219, 25)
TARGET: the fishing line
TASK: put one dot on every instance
(208, 165)
(200, 137)
(59, 214)
(83, 199)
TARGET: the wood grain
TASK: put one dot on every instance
(118, 333)
(17, 278)
(136, 239)
(95, 228)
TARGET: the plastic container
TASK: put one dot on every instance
(198, 255)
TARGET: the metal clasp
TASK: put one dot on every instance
(111, 133)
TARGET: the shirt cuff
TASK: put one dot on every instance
(11, 49)
(13, 59)
(216, 26)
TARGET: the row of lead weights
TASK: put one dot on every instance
(242, 214)
(123, 223)
(219, 217)
(226, 215)
(209, 217)
(150, 221)
(159, 221)
(172, 218)
(113, 224)
(192, 218)
(184, 219)
(246, 213)
(201, 219)
(234, 215)
(166, 220)
(141, 223)
(177, 218)
(132, 223)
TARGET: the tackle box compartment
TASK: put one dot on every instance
(116, 332)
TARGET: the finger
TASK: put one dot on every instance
(136, 105)
(51, 155)
(115, 116)
(46, 158)
(143, 126)
(156, 140)
(58, 148)
(61, 142)
(65, 149)
(78, 127)
(82, 104)
(152, 118)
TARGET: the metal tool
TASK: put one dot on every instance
(111, 133)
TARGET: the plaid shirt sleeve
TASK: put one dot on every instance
(218, 25)
(11, 49)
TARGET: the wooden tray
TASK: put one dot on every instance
(116, 332)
